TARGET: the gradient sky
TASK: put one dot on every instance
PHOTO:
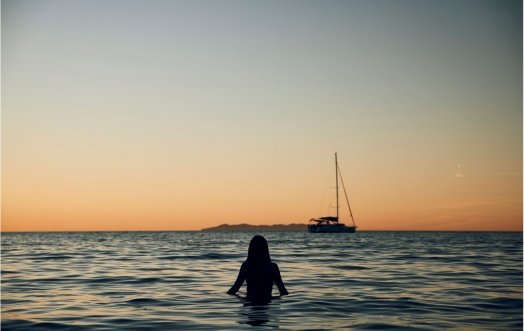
(179, 115)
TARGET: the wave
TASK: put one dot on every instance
(161, 280)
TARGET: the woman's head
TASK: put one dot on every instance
(258, 250)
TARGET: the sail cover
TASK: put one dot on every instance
(329, 218)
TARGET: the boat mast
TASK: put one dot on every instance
(336, 176)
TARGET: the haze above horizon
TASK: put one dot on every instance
(159, 115)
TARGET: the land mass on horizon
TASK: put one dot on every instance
(249, 227)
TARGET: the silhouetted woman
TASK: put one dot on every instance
(259, 272)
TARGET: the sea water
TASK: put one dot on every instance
(178, 281)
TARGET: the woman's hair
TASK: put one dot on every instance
(257, 256)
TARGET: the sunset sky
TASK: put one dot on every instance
(180, 115)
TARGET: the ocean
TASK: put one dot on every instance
(178, 281)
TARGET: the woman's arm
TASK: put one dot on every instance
(240, 280)
(279, 282)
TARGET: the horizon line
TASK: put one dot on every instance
(62, 231)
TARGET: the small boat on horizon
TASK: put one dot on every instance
(330, 224)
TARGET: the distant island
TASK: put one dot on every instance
(249, 227)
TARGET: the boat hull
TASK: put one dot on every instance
(331, 229)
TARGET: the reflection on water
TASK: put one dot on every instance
(255, 314)
(178, 280)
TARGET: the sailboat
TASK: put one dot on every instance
(330, 224)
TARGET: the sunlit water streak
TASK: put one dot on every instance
(178, 281)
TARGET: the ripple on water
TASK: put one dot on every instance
(177, 281)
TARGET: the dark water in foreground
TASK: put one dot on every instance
(178, 280)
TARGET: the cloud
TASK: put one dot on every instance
(459, 175)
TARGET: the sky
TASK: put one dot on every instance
(180, 115)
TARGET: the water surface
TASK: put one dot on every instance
(178, 280)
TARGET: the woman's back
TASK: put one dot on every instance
(260, 285)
